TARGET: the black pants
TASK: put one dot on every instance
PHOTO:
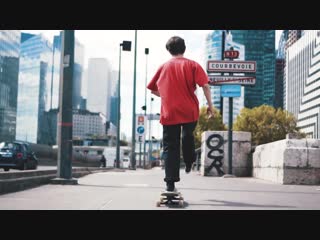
(171, 148)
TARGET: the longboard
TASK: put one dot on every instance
(170, 198)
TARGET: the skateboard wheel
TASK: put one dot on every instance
(158, 204)
(181, 203)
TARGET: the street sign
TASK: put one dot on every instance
(231, 91)
(231, 66)
(140, 128)
(231, 54)
(232, 80)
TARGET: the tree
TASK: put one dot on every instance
(266, 124)
(205, 124)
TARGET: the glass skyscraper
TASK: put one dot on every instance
(213, 52)
(9, 72)
(260, 47)
(34, 85)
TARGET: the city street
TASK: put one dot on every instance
(140, 190)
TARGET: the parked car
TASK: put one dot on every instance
(17, 155)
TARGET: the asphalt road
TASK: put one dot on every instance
(140, 190)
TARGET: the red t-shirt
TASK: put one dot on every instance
(176, 82)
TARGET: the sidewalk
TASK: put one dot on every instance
(140, 189)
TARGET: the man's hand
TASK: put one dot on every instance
(210, 112)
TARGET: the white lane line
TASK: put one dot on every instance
(136, 185)
(106, 204)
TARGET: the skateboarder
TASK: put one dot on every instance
(175, 83)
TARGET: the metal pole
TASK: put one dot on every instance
(230, 135)
(118, 127)
(145, 104)
(150, 121)
(133, 154)
(140, 155)
(230, 139)
(222, 58)
(65, 122)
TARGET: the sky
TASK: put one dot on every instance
(105, 44)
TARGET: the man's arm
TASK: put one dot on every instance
(156, 93)
(207, 93)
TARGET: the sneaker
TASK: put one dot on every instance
(170, 186)
(188, 168)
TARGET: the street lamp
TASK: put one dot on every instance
(126, 46)
(146, 51)
(133, 153)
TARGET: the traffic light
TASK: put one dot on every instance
(144, 108)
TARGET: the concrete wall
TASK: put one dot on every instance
(288, 161)
(214, 153)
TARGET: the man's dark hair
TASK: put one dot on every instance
(176, 46)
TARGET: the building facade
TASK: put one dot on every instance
(99, 86)
(85, 125)
(9, 72)
(260, 47)
(34, 85)
(303, 82)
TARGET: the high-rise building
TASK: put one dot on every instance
(289, 37)
(260, 47)
(280, 70)
(99, 86)
(303, 81)
(114, 110)
(34, 85)
(85, 124)
(279, 83)
(77, 69)
(293, 36)
(9, 72)
(214, 52)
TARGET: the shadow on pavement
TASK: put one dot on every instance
(239, 204)
(181, 189)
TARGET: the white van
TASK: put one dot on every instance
(126, 162)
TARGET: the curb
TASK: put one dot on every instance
(18, 181)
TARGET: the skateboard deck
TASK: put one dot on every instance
(171, 198)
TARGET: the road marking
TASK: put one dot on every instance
(136, 185)
(105, 204)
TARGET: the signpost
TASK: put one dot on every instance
(140, 132)
(231, 54)
(232, 80)
(231, 86)
(232, 66)
(231, 90)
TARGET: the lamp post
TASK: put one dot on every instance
(133, 153)
(146, 51)
(126, 46)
